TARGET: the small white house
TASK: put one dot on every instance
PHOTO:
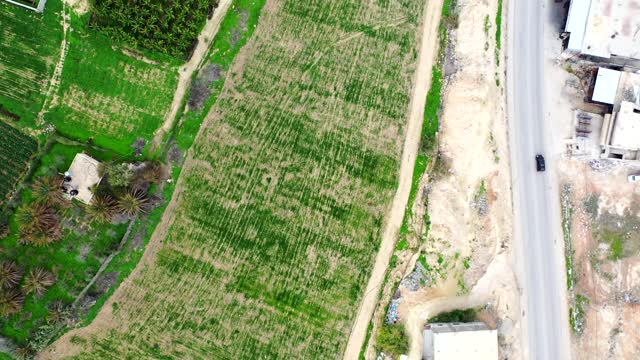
(82, 176)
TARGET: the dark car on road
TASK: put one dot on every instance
(540, 163)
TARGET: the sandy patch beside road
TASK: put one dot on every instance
(606, 242)
(470, 207)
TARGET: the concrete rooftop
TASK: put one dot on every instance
(605, 27)
(626, 133)
(84, 175)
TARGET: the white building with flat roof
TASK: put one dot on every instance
(82, 176)
(604, 28)
(606, 87)
(460, 341)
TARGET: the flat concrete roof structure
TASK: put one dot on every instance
(605, 28)
(606, 86)
(626, 133)
(460, 341)
(628, 89)
(84, 175)
(577, 23)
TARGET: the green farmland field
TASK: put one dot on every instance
(29, 49)
(108, 96)
(282, 200)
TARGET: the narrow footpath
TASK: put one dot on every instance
(186, 72)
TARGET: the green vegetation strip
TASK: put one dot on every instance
(499, 26)
(392, 339)
(498, 35)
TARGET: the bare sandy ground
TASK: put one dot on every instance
(186, 72)
(428, 47)
(80, 6)
(474, 138)
(612, 286)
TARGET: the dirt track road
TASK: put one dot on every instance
(428, 51)
(186, 72)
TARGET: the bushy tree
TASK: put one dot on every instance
(119, 174)
(392, 340)
(154, 172)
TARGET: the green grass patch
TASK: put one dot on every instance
(498, 35)
(403, 244)
(392, 340)
(577, 314)
(499, 26)
(616, 240)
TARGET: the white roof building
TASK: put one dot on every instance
(460, 341)
(606, 86)
(604, 28)
(84, 175)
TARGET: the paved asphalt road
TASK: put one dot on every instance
(537, 218)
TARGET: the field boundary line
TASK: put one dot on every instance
(51, 96)
(185, 76)
(427, 54)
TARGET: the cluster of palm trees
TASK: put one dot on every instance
(131, 203)
(14, 286)
(170, 27)
(40, 220)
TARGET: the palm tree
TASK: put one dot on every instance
(36, 217)
(37, 281)
(46, 191)
(11, 301)
(132, 203)
(10, 274)
(41, 238)
(102, 208)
